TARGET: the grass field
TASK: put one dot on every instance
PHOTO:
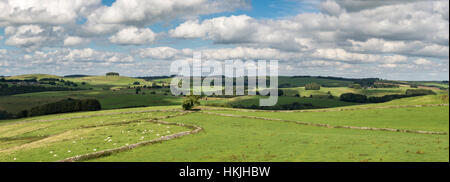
(338, 91)
(407, 130)
(247, 101)
(234, 139)
(32, 76)
(301, 82)
(59, 139)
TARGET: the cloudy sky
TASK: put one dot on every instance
(391, 39)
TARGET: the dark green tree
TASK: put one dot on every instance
(190, 101)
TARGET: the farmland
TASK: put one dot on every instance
(152, 127)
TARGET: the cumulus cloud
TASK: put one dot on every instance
(419, 23)
(422, 61)
(74, 40)
(413, 48)
(244, 30)
(359, 37)
(69, 56)
(17, 12)
(164, 53)
(146, 12)
(33, 36)
(395, 59)
(133, 36)
(358, 5)
(331, 7)
(243, 53)
(343, 55)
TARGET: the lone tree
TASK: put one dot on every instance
(138, 89)
(312, 86)
(190, 101)
(112, 74)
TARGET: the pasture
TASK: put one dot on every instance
(234, 135)
(152, 127)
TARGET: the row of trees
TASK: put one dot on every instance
(5, 89)
(385, 85)
(359, 98)
(112, 74)
(63, 106)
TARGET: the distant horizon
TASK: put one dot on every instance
(222, 75)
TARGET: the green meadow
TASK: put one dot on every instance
(410, 129)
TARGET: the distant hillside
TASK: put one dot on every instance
(31, 76)
(108, 80)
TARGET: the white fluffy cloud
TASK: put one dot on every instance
(146, 12)
(74, 40)
(343, 55)
(68, 56)
(418, 25)
(243, 53)
(422, 61)
(358, 37)
(16, 12)
(414, 48)
(358, 5)
(164, 53)
(33, 36)
(133, 36)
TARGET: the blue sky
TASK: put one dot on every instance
(353, 38)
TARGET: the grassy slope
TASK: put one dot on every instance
(254, 100)
(337, 91)
(300, 82)
(56, 140)
(427, 118)
(109, 80)
(235, 139)
(32, 76)
(294, 82)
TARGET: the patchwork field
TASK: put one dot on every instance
(151, 126)
(235, 134)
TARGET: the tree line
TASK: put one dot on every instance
(359, 98)
(62, 106)
(5, 89)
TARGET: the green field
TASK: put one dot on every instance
(301, 82)
(338, 91)
(32, 76)
(231, 139)
(152, 127)
(247, 101)
(109, 80)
